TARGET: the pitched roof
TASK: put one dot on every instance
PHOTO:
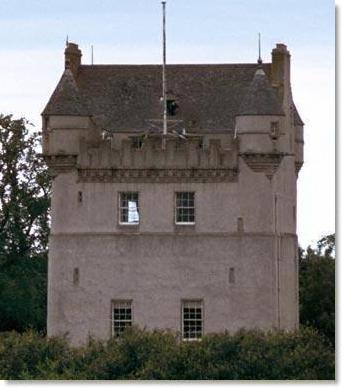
(260, 98)
(66, 99)
(125, 97)
(297, 119)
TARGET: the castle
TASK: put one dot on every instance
(193, 230)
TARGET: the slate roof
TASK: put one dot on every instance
(297, 119)
(126, 97)
(260, 98)
(67, 99)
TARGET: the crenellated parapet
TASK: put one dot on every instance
(188, 160)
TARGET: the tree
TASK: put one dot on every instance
(326, 246)
(24, 226)
(317, 287)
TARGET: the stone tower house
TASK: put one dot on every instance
(195, 231)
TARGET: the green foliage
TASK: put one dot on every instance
(24, 192)
(326, 246)
(249, 355)
(317, 287)
(24, 227)
(23, 291)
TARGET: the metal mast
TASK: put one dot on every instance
(259, 59)
(165, 127)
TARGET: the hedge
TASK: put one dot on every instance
(140, 354)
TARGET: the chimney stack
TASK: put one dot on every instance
(280, 73)
(72, 58)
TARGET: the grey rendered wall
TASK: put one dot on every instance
(218, 205)
(156, 271)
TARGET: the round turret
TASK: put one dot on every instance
(259, 117)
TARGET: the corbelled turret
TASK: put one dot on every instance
(260, 98)
(259, 117)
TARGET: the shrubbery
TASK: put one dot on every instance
(317, 287)
(160, 355)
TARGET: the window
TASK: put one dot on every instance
(76, 276)
(192, 320)
(274, 130)
(231, 275)
(137, 142)
(80, 197)
(172, 107)
(129, 208)
(240, 225)
(204, 143)
(121, 317)
(185, 209)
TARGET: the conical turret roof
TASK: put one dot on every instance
(260, 98)
(66, 99)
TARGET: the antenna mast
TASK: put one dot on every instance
(259, 59)
(165, 129)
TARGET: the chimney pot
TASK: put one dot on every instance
(72, 58)
(281, 46)
(280, 72)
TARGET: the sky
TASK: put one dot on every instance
(32, 42)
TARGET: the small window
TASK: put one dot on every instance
(121, 317)
(185, 208)
(192, 321)
(204, 143)
(240, 225)
(274, 130)
(137, 142)
(129, 208)
(80, 197)
(76, 276)
(231, 275)
(172, 107)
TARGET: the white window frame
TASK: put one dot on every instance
(192, 303)
(177, 207)
(121, 304)
(120, 208)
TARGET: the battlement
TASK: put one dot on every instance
(189, 153)
(144, 159)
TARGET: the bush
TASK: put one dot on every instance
(23, 294)
(31, 356)
(249, 355)
(317, 293)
